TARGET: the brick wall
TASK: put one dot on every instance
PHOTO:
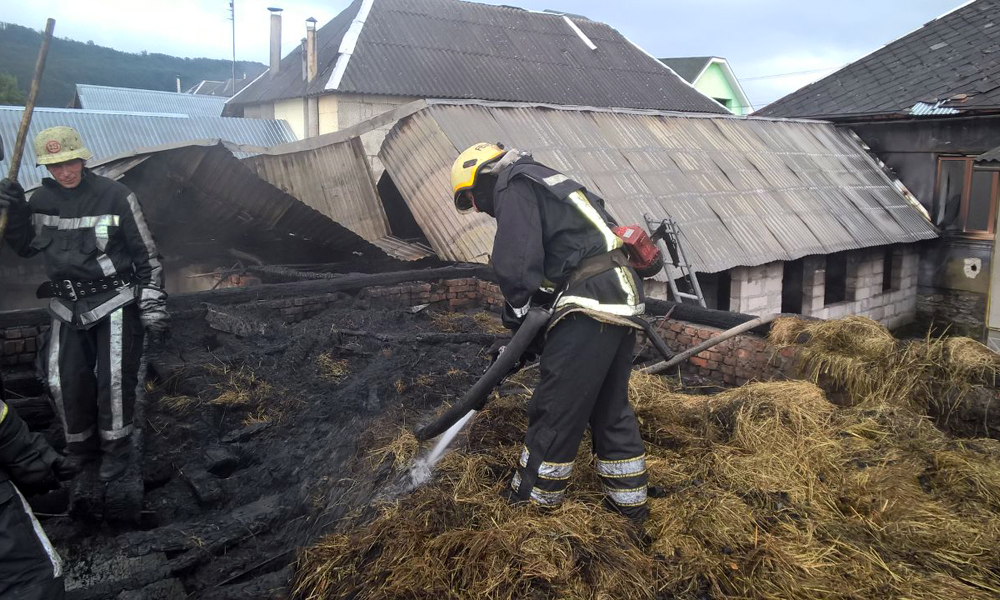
(20, 344)
(734, 361)
(756, 290)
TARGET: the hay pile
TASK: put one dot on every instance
(772, 491)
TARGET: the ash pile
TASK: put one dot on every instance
(256, 438)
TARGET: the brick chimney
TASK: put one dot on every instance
(275, 42)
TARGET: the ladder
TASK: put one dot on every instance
(667, 234)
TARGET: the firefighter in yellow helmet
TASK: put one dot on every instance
(105, 288)
(554, 244)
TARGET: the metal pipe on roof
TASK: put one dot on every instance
(312, 102)
(275, 64)
(311, 49)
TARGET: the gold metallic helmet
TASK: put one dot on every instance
(466, 169)
(59, 144)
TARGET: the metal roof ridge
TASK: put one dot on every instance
(93, 111)
(348, 44)
(616, 110)
(128, 89)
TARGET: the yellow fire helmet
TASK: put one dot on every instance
(59, 144)
(466, 169)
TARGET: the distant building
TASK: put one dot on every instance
(101, 97)
(379, 54)
(928, 104)
(713, 77)
(223, 89)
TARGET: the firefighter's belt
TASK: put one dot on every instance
(595, 265)
(72, 289)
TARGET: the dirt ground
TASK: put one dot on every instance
(254, 444)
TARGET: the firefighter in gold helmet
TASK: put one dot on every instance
(554, 244)
(105, 287)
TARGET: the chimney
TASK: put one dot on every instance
(275, 42)
(311, 49)
(304, 62)
(178, 84)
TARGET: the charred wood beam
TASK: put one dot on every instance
(351, 282)
(423, 338)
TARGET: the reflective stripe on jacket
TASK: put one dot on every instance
(86, 233)
(546, 225)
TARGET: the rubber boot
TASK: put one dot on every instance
(113, 467)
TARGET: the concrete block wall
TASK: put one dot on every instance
(892, 308)
(340, 111)
(756, 290)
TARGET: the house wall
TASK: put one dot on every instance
(292, 111)
(954, 270)
(714, 84)
(340, 111)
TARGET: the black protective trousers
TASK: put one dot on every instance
(92, 376)
(30, 568)
(585, 369)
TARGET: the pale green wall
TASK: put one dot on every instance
(713, 83)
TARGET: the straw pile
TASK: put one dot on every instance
(772, 491)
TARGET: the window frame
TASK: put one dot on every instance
(963, 212)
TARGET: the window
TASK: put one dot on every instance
(966, 197)
(839, 284)
(791, 287)
(892, 264)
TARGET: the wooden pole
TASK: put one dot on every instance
(29, 108)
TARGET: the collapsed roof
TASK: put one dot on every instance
(950, 65)
(453, 49)
(108, 134)
(746, 191)
(201, 200)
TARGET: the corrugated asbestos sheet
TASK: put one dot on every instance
(745, 191)
(110, 134)
(336, 180)
(455, 49)
(99, 97)
(202, 199)
(993, 156)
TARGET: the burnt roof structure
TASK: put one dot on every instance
(950, 65)
(747, 191)
(465, 50)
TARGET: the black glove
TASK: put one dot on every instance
(11, 194)
(65, 470)
(497, 348)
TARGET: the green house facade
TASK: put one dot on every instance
(713, 77)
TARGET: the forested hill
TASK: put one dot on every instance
(71, 62)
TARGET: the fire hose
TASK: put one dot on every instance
(506, 362)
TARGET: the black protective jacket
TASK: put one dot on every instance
(90, 232)
(546, 225)
(25, 457)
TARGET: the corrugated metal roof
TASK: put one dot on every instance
(334, 179)
(991, 156)
(99, 97)
(923, 109)
(109, 134)
(745, 191)
(201, 200)
(429, 48)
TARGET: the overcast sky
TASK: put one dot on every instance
(764, 40)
